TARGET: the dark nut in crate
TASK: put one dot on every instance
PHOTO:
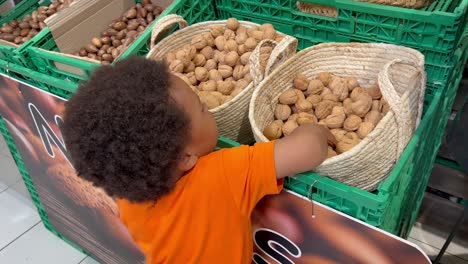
(34, 25)
(141, 28)
(131, 13)
(91, 48)
(116, 43)
(120, 25)
(101, 52)
(115, 53)
(83, 52)
(149, 7)
(111, 32)
(121, 35)
(106, 40)
(96, 42)
(18, 40)
(150, 18)
(142, 12)
(24, 25)
(24, 32)
(132, 25)
(7, 28)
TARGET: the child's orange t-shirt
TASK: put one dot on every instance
(206, 218)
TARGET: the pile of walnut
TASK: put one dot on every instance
(121, 33)
(19, 31)
(340, 104)
(216, 64)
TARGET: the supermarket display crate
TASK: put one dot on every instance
(45, 62)
(8, 53)
(437, 26)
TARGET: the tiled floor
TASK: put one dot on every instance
(23, 238)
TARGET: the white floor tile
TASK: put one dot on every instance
(89, 260)
(430, 237)
(21, 189)
(17, 216)
(3, 147)
(3, 187)
(9, 174)
(40, 246)
(432, 253)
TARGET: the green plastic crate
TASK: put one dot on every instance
(45, 62)
(438, 26)
(9, 53)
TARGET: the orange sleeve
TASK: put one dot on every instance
(250, 174)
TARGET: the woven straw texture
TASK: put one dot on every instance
(401, 3)
(231, 117)
(401, 78)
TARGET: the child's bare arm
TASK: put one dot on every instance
(303, 150)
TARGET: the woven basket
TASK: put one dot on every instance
(231, 117)
(401, 3)
(330, 11)
(401, 78)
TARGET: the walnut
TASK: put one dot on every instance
(215, 75)
(207, 52)
(229, 34)
(282, 112)
(225, 71)
(364, 129)
(265, 53)
(323, 109)
(352, 123)
(374, 92)
(241, 38)
(170, 57)
(300, 95)
(347, 142)
(330, 97)
(250, 44)
(301, 82)
(231, 58)
(362, 105)
(294, 117)
(231, 45)
(303, 105)
(331, 153)
(306, 118)
(199, 42)
(191, 51)
(225, 87)
(211, 65)
(209, 86)
(244, 59)
(176, 66)
(209, 39)
(217, 31)
(373, 117)
(376, 105)
(236, 91)
(232, 24)
(273, 131)
(352, 83)
(288, 97)
(325, 91)
(338, 133)
(339, 88)
(325, 78)
(338, 110)
(199, 60)
(192, 78)
(241, 84)
(314, 99)
(201, 74)
(335, 120)
(347, 106)
(190, 67)
(314, 87)
(209, 99)
(289, 127)
(356, 92)
(220, 42)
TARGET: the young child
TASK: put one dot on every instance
(143, 135)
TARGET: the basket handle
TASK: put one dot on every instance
(396, 102)
(279, 54)
(165, 24)
(322, 8)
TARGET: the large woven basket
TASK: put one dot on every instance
(401, 78)
(231, 117)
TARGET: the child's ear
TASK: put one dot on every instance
(188, 162)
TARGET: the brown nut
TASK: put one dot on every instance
(116, 43)
(289, 127)
(231, 45)
(351, 83)
(225, 87)
(335, 120)
(119, 25)
(199, 60)
(220, 43)
(241, 84)
(96, 42)
(121, 35)
(215, 75)
(211, 65)
(362, 105)
(244, 59)
(105, 40)
(352, 123)
(301, 82)
(282, 112)
(225, 71)
(356, 92)
(24, 25)
(199, 42)
(376, 106)
(91, 48)
(190, 67)
(231, 58)
(339, 88)
(107, 57)
(323, 109)
(306, 118)
(302, 105)
(83, 52)
(347, 142)
(274, 130)
(314, 99)
(229, 34)
(201, 74)
(347, 106)
(217, 31)
(238, 72)
(209, 86)
(131, 13)
(24, 32)
(177, 66)
(241, 38)
(330, 97)
(314, 87)
(373, 117)
(192, 79)
(325, 78)
(250, 44)
(209, 99)
(232, 24)
(374, 92)
(209, 39)
(331, 153)
(338, 133)
(288, 97)
(207, 52)
(269, 33)
(7, 28)
(364, 129)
